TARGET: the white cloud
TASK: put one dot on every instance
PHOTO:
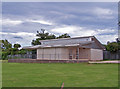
(3, 33)
(105, 38)
(18, 34)
(103, 13)
(103, 31)
(25, 37)
(41, 22)
(75, 31)
(11, 22)
(23, 34)
(64, 29)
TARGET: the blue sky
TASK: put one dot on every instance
(21, 20)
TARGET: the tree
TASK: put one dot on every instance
(6, 47)
(22, 51)
(112, 47)
(14, 51)
(16, 46)
(36, 42)
(5, 44)
(42, 36)
(45, 36)
(64, 36)
(118, 40)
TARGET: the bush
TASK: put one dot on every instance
(4, 55)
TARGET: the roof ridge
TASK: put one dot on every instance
(67, 38)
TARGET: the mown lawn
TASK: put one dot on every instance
(53, 75)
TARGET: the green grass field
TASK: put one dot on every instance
(53, 75)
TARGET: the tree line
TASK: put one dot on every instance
(113, 46)
(7, 49)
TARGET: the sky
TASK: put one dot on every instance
(22, 20)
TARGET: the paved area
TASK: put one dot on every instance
(104, 62)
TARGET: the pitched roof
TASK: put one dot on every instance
(62, 45)
(81, 43)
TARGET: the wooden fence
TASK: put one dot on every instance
(111, 55)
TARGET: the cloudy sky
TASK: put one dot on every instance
(20, 21)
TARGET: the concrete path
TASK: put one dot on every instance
(104, 62)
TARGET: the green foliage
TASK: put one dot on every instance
(14, 51)
(6, 49)
(17, 46)
(22, 51)
(43, 36)
(4, 55)
(64, 36)
(36, 42)
(46, 36)
(112, 47)
(118, 40)
(5, 44)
